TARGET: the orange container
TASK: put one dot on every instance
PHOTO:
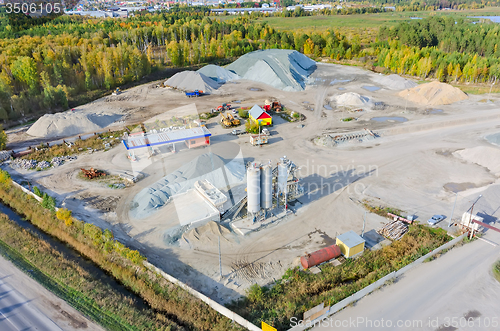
(325, 254)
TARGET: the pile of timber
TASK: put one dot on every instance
(394, 230)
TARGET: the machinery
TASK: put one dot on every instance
(272, 105)
(196, 93)
(224, 106)
(228, 120)
(92, 173)
(117, 91)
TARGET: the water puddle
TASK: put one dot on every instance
(494, 139)
(336, 81)
(389, 119)
(371, 88)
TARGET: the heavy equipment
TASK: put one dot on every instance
(92, 173)
(228, 120)
(195, 93)
(224, 106)
(117, 91)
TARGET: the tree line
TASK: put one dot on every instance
(49, 66)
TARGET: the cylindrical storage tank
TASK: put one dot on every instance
(253, 189)
(282, 175)
(320, 256)
(266, 187)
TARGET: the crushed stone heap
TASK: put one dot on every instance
(283, 69)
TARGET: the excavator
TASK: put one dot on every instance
(228, 120)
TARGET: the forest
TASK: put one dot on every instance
(69, 60)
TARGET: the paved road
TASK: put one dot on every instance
(17, 313)
(26, 305)
(454, 292)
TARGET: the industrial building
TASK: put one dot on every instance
(194, 137)
(260, 116)
(350, 243)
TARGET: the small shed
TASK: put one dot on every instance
(350, 243)
(260, 116)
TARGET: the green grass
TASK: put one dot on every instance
(471, 89)
(496, 270)
(75, 298)
(360, 21)
(298, 291)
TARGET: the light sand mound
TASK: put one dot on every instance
(488, 157)
(219, 74)
(207, 166)
(394, 82)
(434, 93)
(70, 123)
(207, 234)
(283, 69)
(351, 99)
(192, 81)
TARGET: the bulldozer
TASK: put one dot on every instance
(228, 120)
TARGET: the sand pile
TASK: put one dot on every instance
(219, 74)
(207, 166)
(485, 156)
(351, 99)
(283, 69)
(192, 81)
(394, 82)
(70, 123)
(207, 234)
(434, 93)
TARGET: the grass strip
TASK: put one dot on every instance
(74, 298)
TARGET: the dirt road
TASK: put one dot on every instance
(457, 291)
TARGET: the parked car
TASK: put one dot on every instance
(436, 219)
(237, 132)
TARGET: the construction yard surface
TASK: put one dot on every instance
(393, 151)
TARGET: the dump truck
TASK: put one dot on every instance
(259, 139)
(195, 93)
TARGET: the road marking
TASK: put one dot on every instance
(8, 320)
(488, 241)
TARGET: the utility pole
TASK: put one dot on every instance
(220, 261)
(452, 210)
(364, 221)
(470, 219)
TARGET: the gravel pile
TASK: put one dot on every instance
(24, 164)
(192, 81)
(57, 161)
(32, 164)
(351, 99)
(283, 69)
(394, 82)
(219, 74)
(5, 155)
(43, 165)
(434, 93)
(70, 123)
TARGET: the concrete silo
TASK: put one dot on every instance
(266, 186)
(253, 189)
(283, 175)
